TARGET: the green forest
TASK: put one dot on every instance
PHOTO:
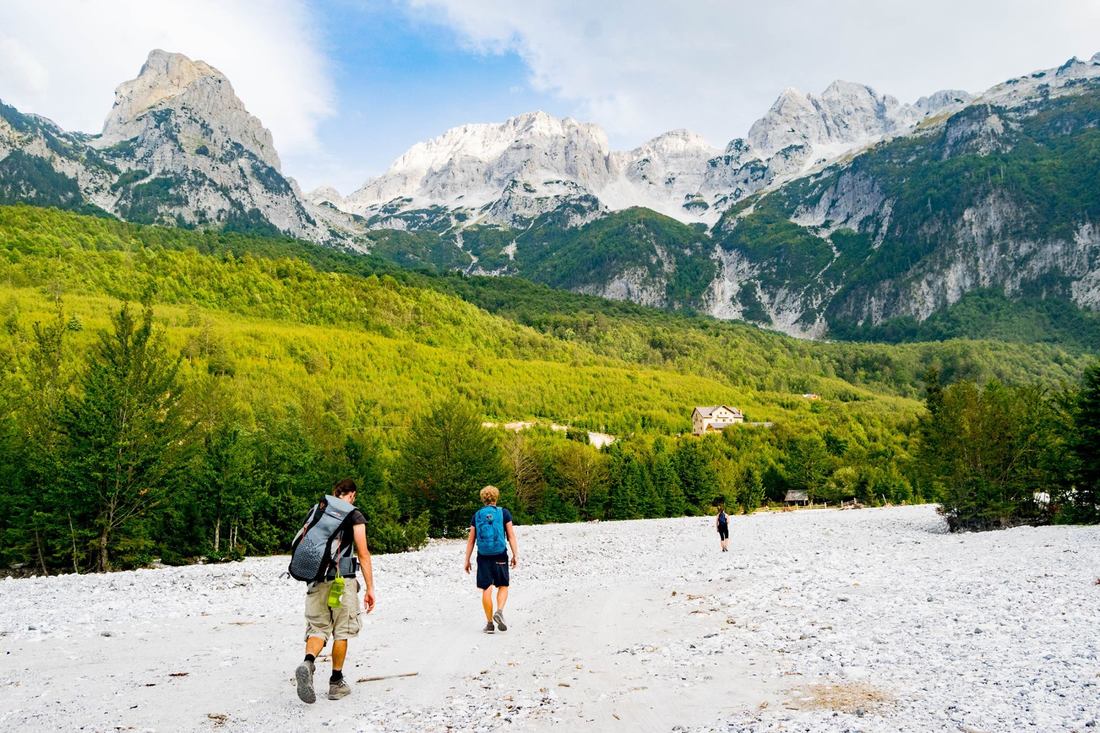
(176, 395)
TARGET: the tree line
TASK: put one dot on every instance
(998, 455)
(112, 459)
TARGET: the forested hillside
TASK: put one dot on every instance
(258, 370)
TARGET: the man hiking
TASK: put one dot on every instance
(340, 617)
(489, 527)
(723, 525)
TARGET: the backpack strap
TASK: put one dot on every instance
(503, 532)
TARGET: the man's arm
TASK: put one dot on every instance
(512, 541)
(360, 532)
(469, 549)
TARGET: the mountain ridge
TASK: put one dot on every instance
(1006, 182)
(818, 222)
(177, 147)
(468, 168)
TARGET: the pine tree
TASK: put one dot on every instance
(697, 479)
(1086, 447)
(751, 494)
(227, 491)
(809, 463)
(651, 503)
(126, 435)
(39, 531)
(666, 482)
(445, 460)
(624, 486)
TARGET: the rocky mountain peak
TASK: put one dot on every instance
(844, 116)
(325, 195)
(543, 123)
(840, 89)
(471, 165)
(1044, 84)
(195, 89)
(941, 100)
(680, 142)
(162, 76)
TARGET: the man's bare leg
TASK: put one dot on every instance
(487, 603)
(339, 651)
(498, 617)
(315, 645)
(303, 675)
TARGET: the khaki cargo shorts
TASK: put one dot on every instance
(339, 623)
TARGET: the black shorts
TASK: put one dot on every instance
(723, 531)
(492, 570)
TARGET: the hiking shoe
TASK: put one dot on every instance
(339, 689)
(499, 618)
(489, 628)
(304, 677)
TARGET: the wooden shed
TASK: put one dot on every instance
(797, 497)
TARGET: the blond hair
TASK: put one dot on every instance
(490, 495)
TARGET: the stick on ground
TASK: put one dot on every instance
(387, 677)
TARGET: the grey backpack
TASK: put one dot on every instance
(316, 548)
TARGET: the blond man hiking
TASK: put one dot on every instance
(490, 527)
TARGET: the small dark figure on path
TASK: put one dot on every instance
(723, 524)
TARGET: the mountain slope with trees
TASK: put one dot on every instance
(203, 422)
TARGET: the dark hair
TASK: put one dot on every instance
(343, 487)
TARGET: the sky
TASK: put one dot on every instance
(346, 86)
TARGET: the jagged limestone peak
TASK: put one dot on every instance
(174, 81)
(163, 75)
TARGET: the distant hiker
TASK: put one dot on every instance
(328, 551)
(490, 527)
(723, 524)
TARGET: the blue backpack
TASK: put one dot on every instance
(489, 527)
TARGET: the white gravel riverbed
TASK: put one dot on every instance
(866, 620)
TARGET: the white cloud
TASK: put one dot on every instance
(63, 59)
(640, 67)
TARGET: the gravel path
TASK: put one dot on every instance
(868, 620)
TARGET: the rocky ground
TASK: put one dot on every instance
(866, 620)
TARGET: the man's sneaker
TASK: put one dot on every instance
(489, 628)
(338, 689)
(499, 618)
(304, 677)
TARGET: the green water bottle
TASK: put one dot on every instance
(336, 592)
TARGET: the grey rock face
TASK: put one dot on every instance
(171, 81)
(493, 173)
(945, 99)
(181, 123)
(988, 233)
(178, 147)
